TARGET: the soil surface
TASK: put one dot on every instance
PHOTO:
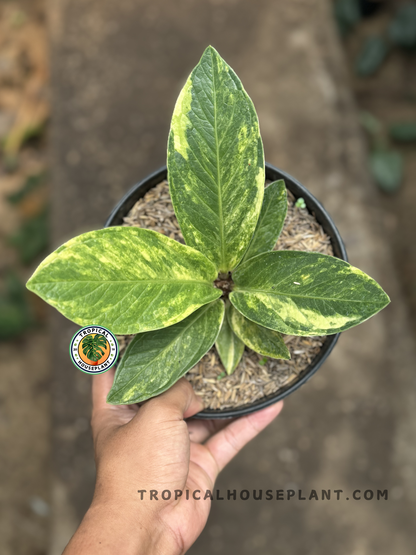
(256, 376)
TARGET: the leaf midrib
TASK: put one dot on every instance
(220, 212)
(277, 294)
(247, 256)
(151, 281)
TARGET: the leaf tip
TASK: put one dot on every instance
(210, 50)
(31, 284)
(386, 298)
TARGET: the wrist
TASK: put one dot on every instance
(110, 528)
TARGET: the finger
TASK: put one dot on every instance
(225, 444)
(177, 402)
(101, 385)
(201, 430)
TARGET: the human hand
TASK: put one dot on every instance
(151, 447)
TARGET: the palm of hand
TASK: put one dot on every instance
(154, 448)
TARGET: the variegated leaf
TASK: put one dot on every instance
(258, 338)
(305, 293)
(229, 346)
(155, 360)
(216, 162)
(126, 279)
(271, 220)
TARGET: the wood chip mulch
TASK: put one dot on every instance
(255, 377)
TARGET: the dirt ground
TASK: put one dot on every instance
(25, 422)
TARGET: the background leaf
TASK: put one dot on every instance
(216, 162)
(371, 56)
(271, 220)
(258, 338)
(229, 346)
(404, 132)
(305, 293)
(31, 183)
(155, 360)
(125, 279)
(371, 124)
(32, 238)
(15, 312)
(387, 169)
(347, 14)
(402, 30)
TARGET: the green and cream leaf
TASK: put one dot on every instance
(126, 279)
(271, 220)
(155, 360)
(216, 162)
(258, 338)
(230, 348)
(305, 293)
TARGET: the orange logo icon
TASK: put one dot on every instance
(94, 349)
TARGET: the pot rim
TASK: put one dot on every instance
(323, 218)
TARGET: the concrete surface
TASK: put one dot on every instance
(25, 452)
(117, 70)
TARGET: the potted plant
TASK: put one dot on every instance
(226, 285)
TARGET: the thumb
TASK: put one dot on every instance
(105, 415)
(101, 385)
(177, 403)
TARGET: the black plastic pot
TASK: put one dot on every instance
(315, 207)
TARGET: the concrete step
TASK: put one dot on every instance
(117, 70)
